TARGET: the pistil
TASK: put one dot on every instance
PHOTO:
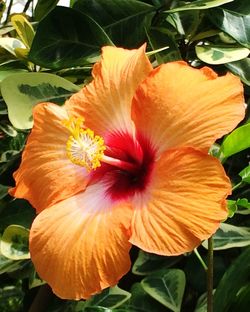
(121, 164)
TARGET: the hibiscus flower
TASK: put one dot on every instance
(125, 161)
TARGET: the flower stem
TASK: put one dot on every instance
(210, 274)
(236, 186)
(200, 259)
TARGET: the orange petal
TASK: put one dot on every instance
(46, 175)
(181, 105)
(106, 102)
(186, 203)
(80, 246)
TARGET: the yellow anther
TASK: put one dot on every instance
(84, 148)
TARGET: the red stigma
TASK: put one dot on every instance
(123, 183)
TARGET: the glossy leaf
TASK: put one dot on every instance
(109, 298)
(125, 21)
(3, 190)
(234, 278)
(18, 211)
(167, 287)
(142, 301)
(8, 129)
(216, 55)
(8, 265)
(243, 202)
(245, 174)
(35, 280)
(230, 236)
(67, 38)
(43, 7)
(14, 243)
(147, 263)
(199, 5)
(10, 44)
(233, 23)
(22, 91)
(161, 37)
(242, 69)
(236, 141)
(232, 207)
(23, 28)
(201, 305)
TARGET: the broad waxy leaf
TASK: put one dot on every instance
(142, 301)
(201, 305)
(161, 37)
(167, 287)
(22, 91)
(43, 7)
(23, 28)
(199, 5)
(234, 24)
(67, 38)
(35, 280)
(242, 69)
(245, 174)
(147, 263)
(124, 21)
(236, 141)
(235, 277)
(243, 202)
(216, 55)
(10, 44)
(14, 243)
(3, 191)
(8, 265)
(109, 298)
(230, 236)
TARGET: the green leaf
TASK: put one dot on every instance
(242, 69)
(43, 7)
(24, 90)
(67, 38)
(230, 236)
(97, 309)
(235, 277)
(243, 202)
(241, 302)
(216, 55)
(109, 298)
(10, 44)
(11, 298)
(19, 211)
(161, 37)
(35, 280)
(147, 263)
(234, 24)
(201, 305)
(8, 265)
(245, 174)
(141, 302)
(7, 129)
(232, 207)
(124, 21)
(23, 28)
(199, 5)
(14, 243)
(236, 141)
(3, 190)
(167, 287)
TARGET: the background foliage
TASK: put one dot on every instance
(47, 56)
